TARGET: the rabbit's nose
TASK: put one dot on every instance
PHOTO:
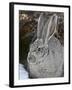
(32, 59)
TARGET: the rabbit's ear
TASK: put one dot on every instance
(50, 28)
(40, 26)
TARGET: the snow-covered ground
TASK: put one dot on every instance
(23, 73)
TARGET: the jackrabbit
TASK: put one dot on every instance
(45, 57)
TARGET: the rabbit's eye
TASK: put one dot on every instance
(38, 49)
(41, 49)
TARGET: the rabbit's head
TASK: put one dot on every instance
(45, 30)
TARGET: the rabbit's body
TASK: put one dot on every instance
(45, 58)
(51, 65)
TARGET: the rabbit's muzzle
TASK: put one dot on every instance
(32, 59)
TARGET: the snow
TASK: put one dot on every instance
(23, 73)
